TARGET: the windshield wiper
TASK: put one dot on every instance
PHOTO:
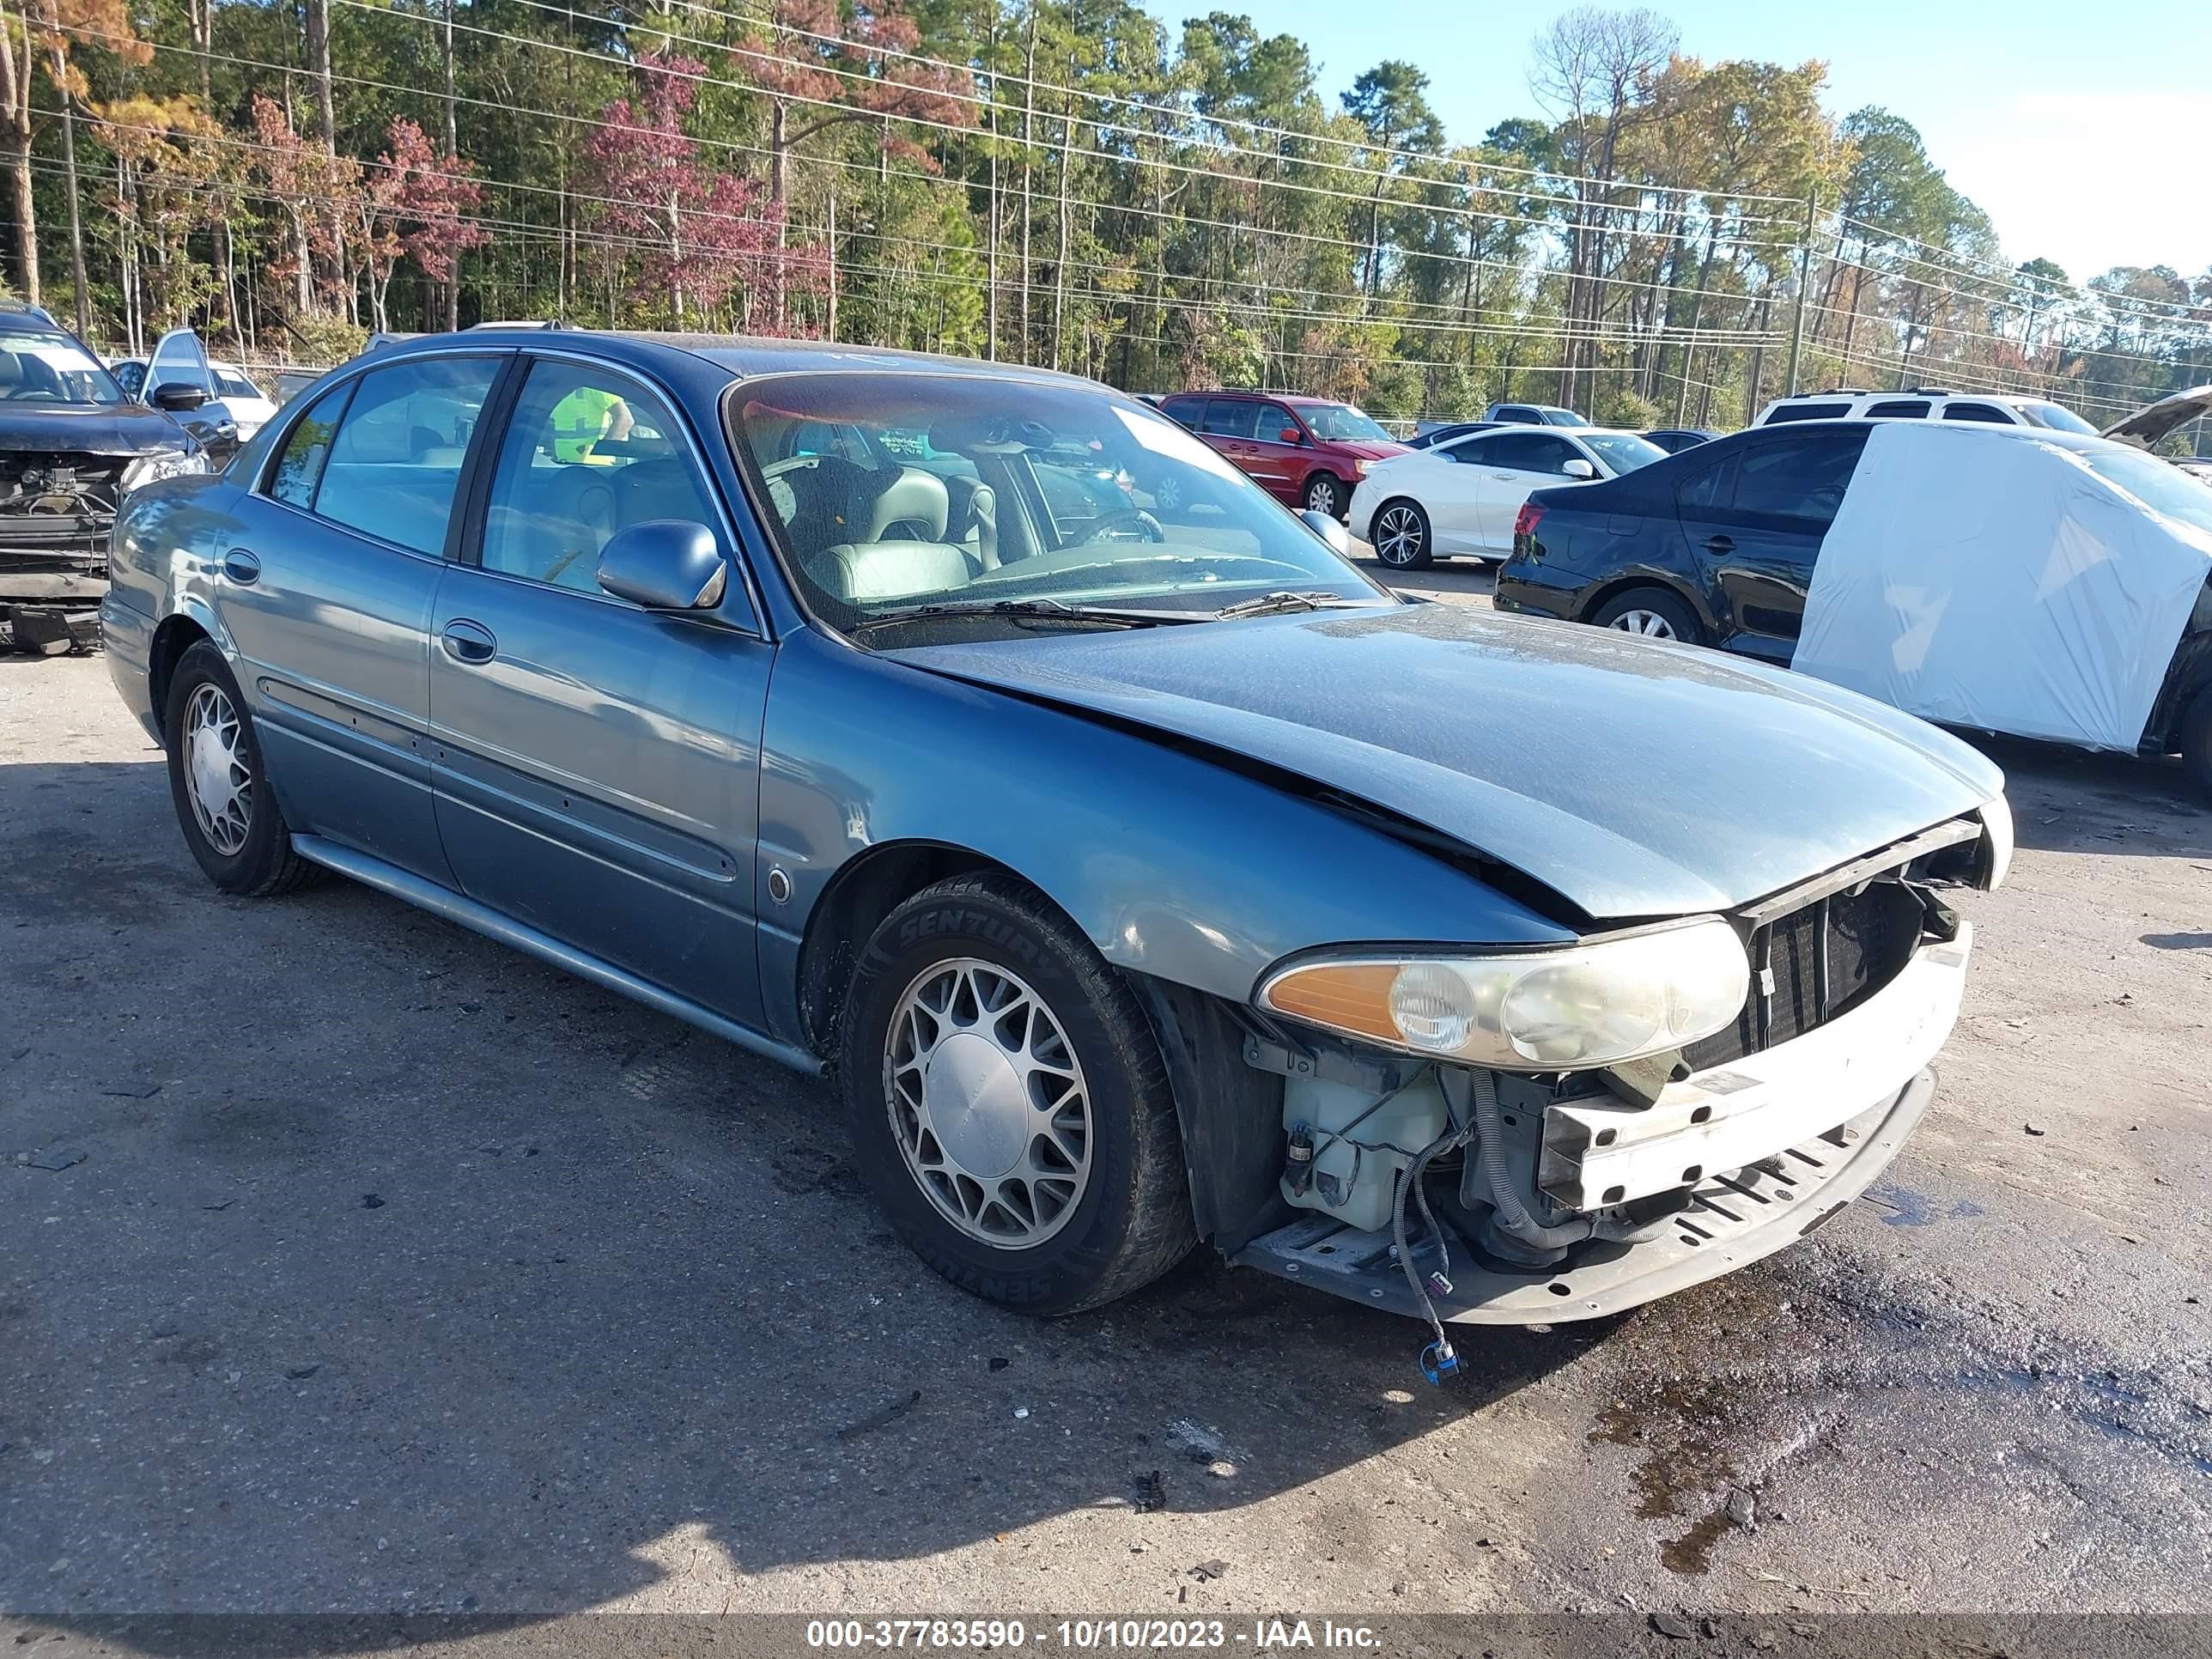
(1267, 604)
(1023, 610)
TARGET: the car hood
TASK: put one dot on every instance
(2154, 421)
(1368, 449)
(1633, 778)
(119, 429)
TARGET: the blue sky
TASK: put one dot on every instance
(2085, 131)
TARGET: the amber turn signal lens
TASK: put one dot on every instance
(1344, 996)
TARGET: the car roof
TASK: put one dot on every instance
(17, 317)
(747, 357)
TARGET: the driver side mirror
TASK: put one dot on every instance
(1323, 526)
(1290, 434)
(1579, 468)
(665, 564)
(176, 397)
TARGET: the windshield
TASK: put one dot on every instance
(890, 492)
(2159, 485)
(229, 383)
(2057, 417)
(1339, 422)
(52, 368)
(1623, 452)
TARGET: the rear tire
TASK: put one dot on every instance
(1008, 1104)
(1652, 613)
(1401, 535)
(219, 785)
(2195, 734)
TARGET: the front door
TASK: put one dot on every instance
(1279, 463)
(1515, 464)
(598, 764)
(325, 591)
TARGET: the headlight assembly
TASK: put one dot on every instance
(151, 469)
(1996, 835)
(1561, 1009)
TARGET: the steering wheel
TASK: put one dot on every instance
(1113, 526)
(25, 394)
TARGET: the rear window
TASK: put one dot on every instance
(1782, 412)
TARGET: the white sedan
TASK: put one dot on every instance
(1463, 496)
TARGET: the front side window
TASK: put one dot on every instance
(1046, 496)
(1342, 423)
(45, 368)
(1984, 413)
(396, 462)
(587, 452)
(2058, 417)
(1532, 451)
(299, 468)
(1275, 421)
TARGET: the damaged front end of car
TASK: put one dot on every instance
(1534, 1135)
(57, 513)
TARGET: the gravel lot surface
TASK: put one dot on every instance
(350, 1263)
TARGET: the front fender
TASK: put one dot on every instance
(1174, 865)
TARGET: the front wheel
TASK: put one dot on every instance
(1401, 536)
(1651, 612)
(229, 812)
(2195, 741)
(1008, 1104)
(1325, 493)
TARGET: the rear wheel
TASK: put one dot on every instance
(2196, 736)
(1325, 493)
(1652, 612)
(1401, 535)
(1009, 1107)
(229, 813)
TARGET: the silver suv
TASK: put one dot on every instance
(1922, 402)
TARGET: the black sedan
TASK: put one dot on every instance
(1714, 546)
(1444, 434)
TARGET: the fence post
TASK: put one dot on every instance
(1804, 283)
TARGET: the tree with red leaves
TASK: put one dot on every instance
(318, 194)
(709, 234)
(416, 203)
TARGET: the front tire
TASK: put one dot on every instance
(1008, 1104)
(1401, 535)
(1652, 613)
(1325, 494)
(219, 786)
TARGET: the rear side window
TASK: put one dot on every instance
(1983, 412)
(1185, 411)
(299, 468)
(1899, 409)
(396, 462)
(1798, 477)
(1531, 451)
(1229, 417)
(1806, 412)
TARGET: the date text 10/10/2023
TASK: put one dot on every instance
(1084, 1635)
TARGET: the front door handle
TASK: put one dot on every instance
(1719, 545)
(468, 642)
(1503, 477)
(241, 567)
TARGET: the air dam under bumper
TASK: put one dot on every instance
(1789, 1137)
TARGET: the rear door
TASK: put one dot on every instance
(325, 591)
(1753, 522)
(597, 763)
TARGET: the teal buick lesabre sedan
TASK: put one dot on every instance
(1142, 878)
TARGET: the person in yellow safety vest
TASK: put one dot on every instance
(582, 418)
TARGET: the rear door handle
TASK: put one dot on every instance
(1720, 544)
(467, 642)
(241, 567)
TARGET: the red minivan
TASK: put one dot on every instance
(1306, 451)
